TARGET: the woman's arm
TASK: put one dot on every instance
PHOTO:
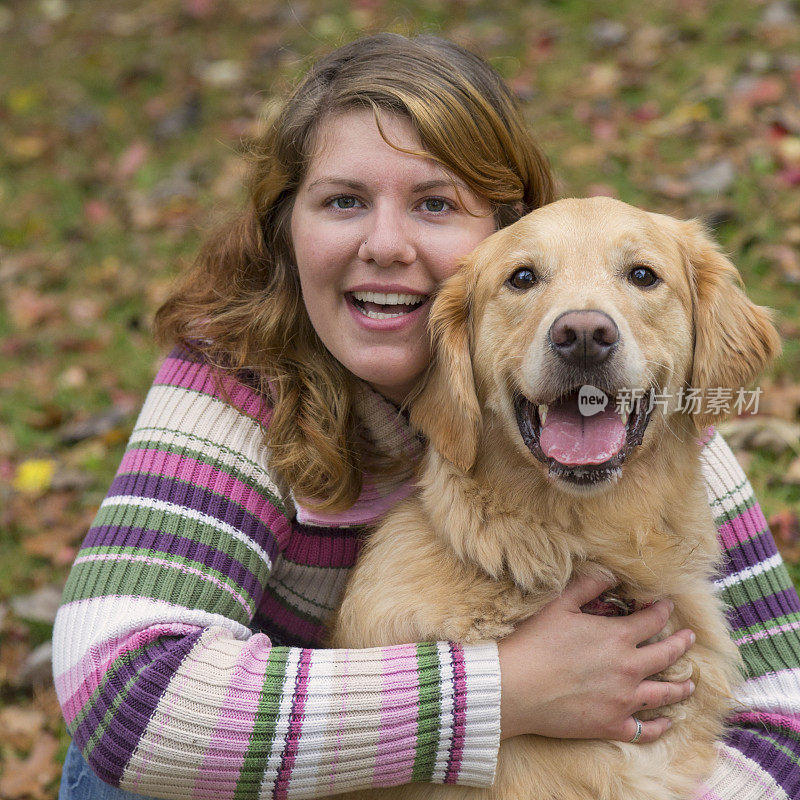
(760, 757)
(165, 688)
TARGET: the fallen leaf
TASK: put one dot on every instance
(792, 474)
(786, 259)
(34, 475)
(39, 606)
(29, 777)
(768, 433)
(20, 726)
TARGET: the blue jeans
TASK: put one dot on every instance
(78, 782)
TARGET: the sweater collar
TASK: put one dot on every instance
(388, 428)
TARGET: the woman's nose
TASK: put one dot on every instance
(387, 239)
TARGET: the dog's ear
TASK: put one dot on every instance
(446, 410)
(734, 338)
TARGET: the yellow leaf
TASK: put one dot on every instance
(35, 475)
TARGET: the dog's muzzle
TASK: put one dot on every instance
(578, 443)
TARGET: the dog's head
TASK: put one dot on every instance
(579, 330)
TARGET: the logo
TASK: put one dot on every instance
(591, 400)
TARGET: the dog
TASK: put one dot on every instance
(521, 489)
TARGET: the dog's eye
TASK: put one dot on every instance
(643, 277)
(522, 279)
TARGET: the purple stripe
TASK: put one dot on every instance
(749, 553)
(762, 609)
(773, 761)
(299, 633)
(323, 547)
(263, 529)
(153, 671)
(161, 542)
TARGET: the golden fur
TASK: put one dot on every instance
(489, 538)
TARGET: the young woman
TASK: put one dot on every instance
(189, 651)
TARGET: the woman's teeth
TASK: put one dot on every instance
(408, 302)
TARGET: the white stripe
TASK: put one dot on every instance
(722, 471)
(482, 717)
(192, 514)
(777, 693)
(750, 572)
(338, 738)
(736, 775)
(446, 719)
(191, 415)
(84, 624)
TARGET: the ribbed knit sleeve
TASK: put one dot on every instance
(166, 684)
(760, 757)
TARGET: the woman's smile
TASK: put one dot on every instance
(375, 231)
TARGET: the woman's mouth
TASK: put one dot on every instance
(377, 305)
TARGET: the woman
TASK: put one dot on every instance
(189, 656)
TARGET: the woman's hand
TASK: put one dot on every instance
(572, 675)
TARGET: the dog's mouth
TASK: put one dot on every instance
(579, 447)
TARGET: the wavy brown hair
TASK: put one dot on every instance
(240, 302)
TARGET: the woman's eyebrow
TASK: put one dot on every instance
(425, 186)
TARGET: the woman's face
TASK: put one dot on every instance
(375, 231)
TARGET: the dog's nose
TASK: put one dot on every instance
(584, 338)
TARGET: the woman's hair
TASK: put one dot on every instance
(240, 303)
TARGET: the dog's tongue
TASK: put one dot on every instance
(573, 439)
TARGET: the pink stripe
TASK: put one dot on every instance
(206, 476)
(754, 637)
(223, 761)
(745, 526)
(459, 715)
(201, 378)
(362, 512)
(281, 788)
(88, 673)
(706, 436)
(766, 718)
(394, 759)
(162, 562)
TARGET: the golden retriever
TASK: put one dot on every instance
(520, 489)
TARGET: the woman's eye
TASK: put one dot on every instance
(435, 205)
(643, 277)
(344, 202)
(522, 279)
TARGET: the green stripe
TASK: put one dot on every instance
(176, 524)
(766, 656)
(765, 583)
(109, 675)
(758, 627)
(428, 713)
(253, 483)
(262, 737)
(157, 582)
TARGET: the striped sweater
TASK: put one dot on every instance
(188, 655)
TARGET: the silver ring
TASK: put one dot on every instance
(638, 730)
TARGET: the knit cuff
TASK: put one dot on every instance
(476, 731)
